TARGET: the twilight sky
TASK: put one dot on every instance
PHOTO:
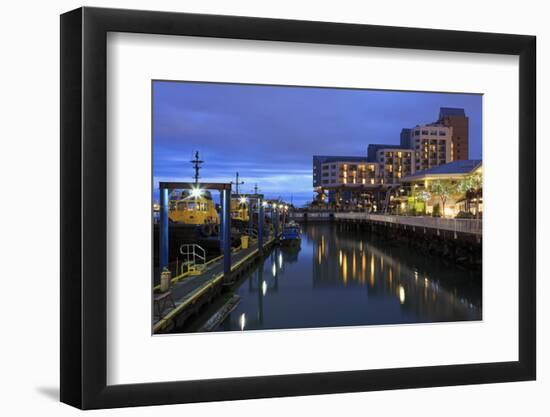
(269, 134)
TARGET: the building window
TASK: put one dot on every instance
(417, 132)
(424, 132)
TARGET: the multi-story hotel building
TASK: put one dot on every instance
(457, 120)
(347, 171)
(431, 144)
(421, 147)
(329, 170)
(394, 163)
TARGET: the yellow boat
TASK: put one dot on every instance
(190, 208)
(239, 209)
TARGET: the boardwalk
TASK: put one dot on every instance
(187, 292)
(469, 226)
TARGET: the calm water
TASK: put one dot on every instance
(343, 278)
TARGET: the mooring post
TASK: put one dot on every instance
(251, 215)
(276, 222)
(260, 225)
(226, 231)
(163, 229)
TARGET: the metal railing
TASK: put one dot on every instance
(311, 214)
(251, 232)
(472, 226)
(194, 256)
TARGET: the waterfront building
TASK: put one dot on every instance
(345, 180)
(431, 144)
(457, 120)
(394, 164)
(452, 172)
(421, 148)
(329, 170)
(333, 171)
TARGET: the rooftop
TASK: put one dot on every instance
(451, 111)
(325, 158)
(452, 168)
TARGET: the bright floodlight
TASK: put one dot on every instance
(196, 192)
(242, 200)
(265, 204)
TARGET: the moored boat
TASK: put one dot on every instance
(291, 234)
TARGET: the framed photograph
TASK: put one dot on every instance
(257, 208)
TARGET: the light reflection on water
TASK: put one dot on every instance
(343, 278)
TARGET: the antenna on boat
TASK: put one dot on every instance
(237, 183)
(197, 166)
(256, 189)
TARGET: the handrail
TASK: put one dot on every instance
(192, 252)
(473, 226)
(253, 233)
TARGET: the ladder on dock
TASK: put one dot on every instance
(194, 258)
(251, 232)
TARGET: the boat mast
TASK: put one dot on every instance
(237, 183)
(197, 166)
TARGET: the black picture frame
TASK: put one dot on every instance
(84, 207)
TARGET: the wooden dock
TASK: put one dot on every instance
(190, 293)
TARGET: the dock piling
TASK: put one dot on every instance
(260, 225)
(163, 230)
(226, 230)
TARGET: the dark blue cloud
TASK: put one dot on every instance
(269, 133)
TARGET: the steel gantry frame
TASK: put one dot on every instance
(259, 199)
(225, 227)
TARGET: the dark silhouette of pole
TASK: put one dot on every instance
(197, 167)
(163, 229)
(237, 183)
(226, 231)
(260, 225)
